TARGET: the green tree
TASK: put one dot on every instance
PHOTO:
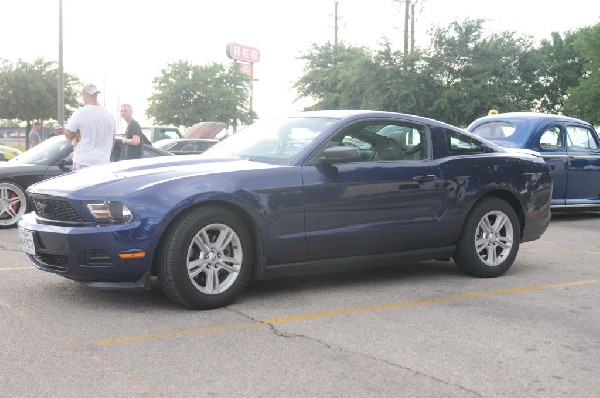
(459, 78)
(396, 82)
(474, 72)
(185, 94)
(558, 66)
(330, 76)
(583, 99)
(28, 91)
(463, 74)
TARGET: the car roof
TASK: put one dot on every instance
(189, 139)
(350, 114)
(530, 116)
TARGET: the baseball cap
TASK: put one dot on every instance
(91, 89)
(57, 126)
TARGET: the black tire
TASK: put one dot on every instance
(199, 271)
(490, 239)
(13, 204)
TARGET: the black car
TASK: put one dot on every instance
(48, 159)
(185, 146)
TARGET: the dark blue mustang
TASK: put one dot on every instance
(570, 147)
(318, 191)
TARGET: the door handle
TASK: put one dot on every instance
(424, 178)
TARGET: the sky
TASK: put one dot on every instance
(122, 45)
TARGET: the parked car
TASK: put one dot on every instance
(50, 158)
(319, 191)
(570, 146)
(156, 133)
(185, 146)
(7, 153)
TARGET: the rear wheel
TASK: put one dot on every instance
(490, 239)
(13, 204)
(206, 258)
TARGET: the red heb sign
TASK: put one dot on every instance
(243, 53)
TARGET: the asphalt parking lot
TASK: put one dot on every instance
(414, 330)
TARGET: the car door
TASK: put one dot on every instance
(583, 185)
(376, 205)
(550, 143)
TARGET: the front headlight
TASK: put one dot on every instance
(108, 211)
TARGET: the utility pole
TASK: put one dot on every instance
(335, 16)
(406, 14)
(412, 27)
(61, 77)
(409, 20)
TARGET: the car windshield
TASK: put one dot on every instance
(165, 144)
(275, 141)
(45, 151)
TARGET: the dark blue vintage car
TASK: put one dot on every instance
(320, 191)
(570, 147)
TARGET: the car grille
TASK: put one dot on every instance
(54, 262)
(56, 209)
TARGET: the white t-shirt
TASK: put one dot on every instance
(97, 127)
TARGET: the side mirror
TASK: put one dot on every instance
(340, 154)
(66, 165)
(2, 157)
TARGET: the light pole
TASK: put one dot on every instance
(61, 77)
(335, 41)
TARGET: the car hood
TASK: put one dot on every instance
(10, 165)
(132, 175)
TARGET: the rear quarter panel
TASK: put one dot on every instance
(522, 181)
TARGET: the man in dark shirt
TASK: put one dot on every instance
(34, 134)
(132, 143)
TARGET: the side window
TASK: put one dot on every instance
(459, 144)
(411, 141)
(580, 138)
(551, 138)
(381, 141)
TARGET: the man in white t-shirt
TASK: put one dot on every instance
(96, 129)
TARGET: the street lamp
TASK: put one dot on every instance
(61, 77)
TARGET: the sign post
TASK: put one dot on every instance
(245, 57)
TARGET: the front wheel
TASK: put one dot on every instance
(13, 204)
(206, 258)
(490, 239)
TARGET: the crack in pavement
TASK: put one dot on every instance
(280, 333)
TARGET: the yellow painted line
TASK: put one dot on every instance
(164, 335)
(426, 301)
(327, 314)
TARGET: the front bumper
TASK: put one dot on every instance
(105, 257)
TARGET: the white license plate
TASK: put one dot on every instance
(27, 243)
